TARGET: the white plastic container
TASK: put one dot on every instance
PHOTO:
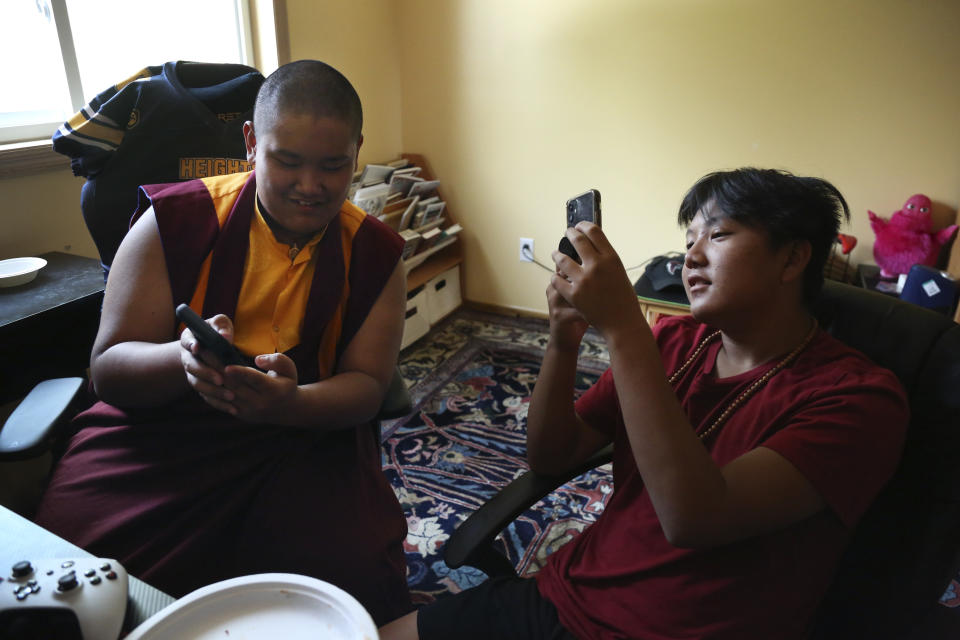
(416, 325)
(443, 294)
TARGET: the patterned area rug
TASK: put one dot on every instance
(471, 382)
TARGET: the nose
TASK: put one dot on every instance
(310, 182)
(694, 255)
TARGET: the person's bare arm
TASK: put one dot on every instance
(136, 360)
(557, 438)
(351, 396)
(698, 503)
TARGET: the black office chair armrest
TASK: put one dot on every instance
(397, 402)
(472, 542)
(32, 426)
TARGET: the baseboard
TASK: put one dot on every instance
(520, 312)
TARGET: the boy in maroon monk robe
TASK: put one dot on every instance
(189, 472)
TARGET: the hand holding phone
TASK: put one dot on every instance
(585, 206)
(209, 339)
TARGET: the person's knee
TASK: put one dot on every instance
(404, 628)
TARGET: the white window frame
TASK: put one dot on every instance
(36, 152)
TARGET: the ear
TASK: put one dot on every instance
(250, 139)
(356, 156)
(797, 259)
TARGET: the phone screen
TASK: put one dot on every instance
(584, 207)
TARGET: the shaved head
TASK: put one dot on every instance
(307, 87)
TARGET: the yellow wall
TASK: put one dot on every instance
(360, 38)
(41, 213)
(519, 105)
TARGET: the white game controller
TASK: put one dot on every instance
(89, 594)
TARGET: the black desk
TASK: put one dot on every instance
(48, 325)
(21, 539)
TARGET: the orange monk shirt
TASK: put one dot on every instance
(276, 280)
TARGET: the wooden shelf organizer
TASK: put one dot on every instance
(423, 267)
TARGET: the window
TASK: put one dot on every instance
(71, 50)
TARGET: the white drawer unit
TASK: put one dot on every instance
(415, 325)
(443, 294)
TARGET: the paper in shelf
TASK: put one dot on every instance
(424, 188)
(411, 240)
(428, 239)
(403, 183)
(372, 199)
(375, 174)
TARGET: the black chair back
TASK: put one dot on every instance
(907, 547)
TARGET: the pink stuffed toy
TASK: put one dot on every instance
(906, 239)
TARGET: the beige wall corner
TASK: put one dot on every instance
(520, 105)
(41, 212)
(361, 40)
(270, 35)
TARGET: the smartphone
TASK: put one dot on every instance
(209, 339)
(585, 206)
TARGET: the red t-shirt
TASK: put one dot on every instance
(840, 419)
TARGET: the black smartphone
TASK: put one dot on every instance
(209, 339)
(585, 206)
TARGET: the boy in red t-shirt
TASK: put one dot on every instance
(747, 441)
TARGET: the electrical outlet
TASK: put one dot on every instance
(526, 249)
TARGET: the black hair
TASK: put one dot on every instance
(308, 86)
(786, 206)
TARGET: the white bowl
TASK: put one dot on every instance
(16, 271)
(266, 605)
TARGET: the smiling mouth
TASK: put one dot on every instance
(696, 282)
(306, 203)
